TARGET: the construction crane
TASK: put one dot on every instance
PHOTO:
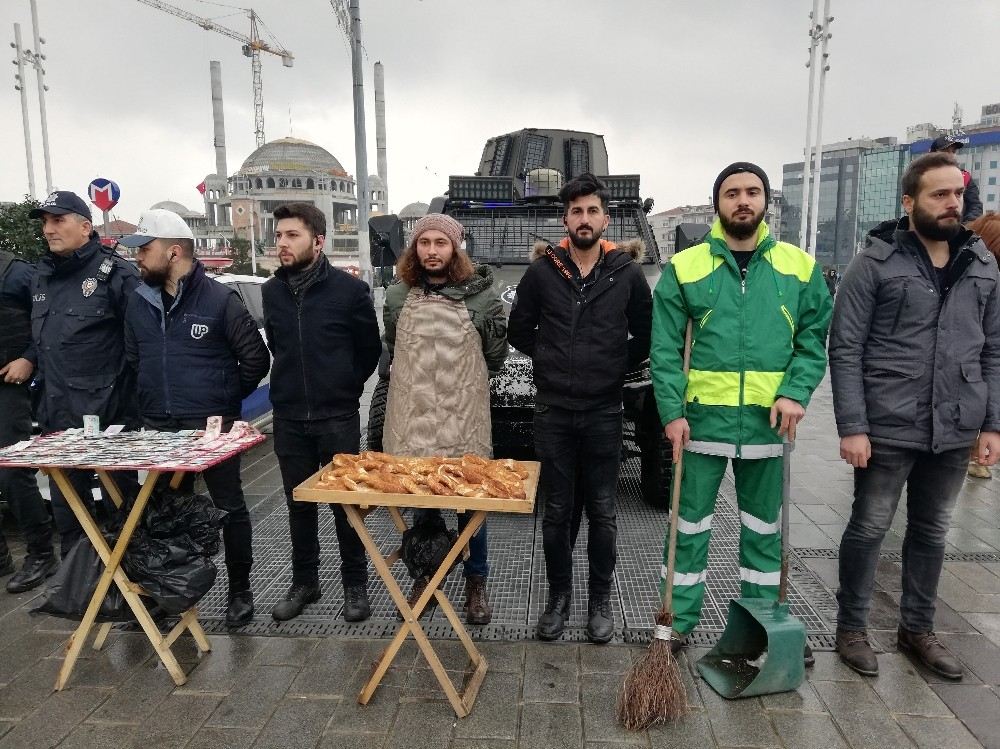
(253, 45)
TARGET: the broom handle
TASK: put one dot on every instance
(786, 490)
(675, 498)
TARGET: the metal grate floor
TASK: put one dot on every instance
(517, 583)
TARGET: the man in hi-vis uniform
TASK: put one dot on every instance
(760, 311)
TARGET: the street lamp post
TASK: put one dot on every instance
(819, 35)
(20, 86)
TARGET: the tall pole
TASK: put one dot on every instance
(380, 130)
(807, 160)
(253, 240)
(360, 147)
(42, 88)
(20, 86)
(818, 176)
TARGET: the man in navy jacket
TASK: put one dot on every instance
(197, 353)
(321, 327)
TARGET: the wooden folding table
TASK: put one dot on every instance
(357, 506)
(154, 452)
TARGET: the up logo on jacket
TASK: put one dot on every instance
(198, 331)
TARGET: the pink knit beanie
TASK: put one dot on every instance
(444, 224)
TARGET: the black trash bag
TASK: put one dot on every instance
(173, 513)
(68, 592)
(426, 544)
(170, 555)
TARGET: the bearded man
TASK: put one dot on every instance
(915, 364)
(197, 353)
(582, 313)
(321, 327)
(446, 334)
(759, 312)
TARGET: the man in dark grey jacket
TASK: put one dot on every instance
(915, 363)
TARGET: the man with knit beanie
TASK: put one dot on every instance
(582, 313)
(446, 334)
(759, 312)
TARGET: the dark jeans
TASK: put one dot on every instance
(226, 489)
(582, 446)
(302, 448)
(18, 485)
(932, 484)
(477, 563)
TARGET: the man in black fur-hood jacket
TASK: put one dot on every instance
(583, 313)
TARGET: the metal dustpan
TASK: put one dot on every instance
(760, 651)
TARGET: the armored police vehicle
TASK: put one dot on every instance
(508, 206)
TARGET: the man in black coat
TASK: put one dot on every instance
(321, 327)
(78, 306)
(18, 485)
(197, 353)
(575, 310)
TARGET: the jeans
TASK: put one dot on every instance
(302, 448)
(18, 485)
(477, 563)
(932, 484)
(582, 446)
(226, 490)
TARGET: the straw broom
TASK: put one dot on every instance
(653, 691)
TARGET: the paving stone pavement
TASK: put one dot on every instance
(300, 691)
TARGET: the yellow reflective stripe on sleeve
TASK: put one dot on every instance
(791, 261)
(723, 388)
(695, 263)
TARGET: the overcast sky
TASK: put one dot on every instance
(679, 88)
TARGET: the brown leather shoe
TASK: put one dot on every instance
(415, 592)
(477, 604)
(856, 652)
(930, 652)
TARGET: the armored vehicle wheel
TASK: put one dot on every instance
(655, 470)
(376, 414)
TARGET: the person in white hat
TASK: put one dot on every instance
(197, 353)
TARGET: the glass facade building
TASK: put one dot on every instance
(879, 193)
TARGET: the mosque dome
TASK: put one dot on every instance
(414, 210)
(175, 207)
(293, 155)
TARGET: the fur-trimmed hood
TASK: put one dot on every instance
(636, 248)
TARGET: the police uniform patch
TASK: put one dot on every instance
(89, 286)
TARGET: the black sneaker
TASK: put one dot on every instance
(551, 623)
(239, 612)
(356, 605)
(295, 600)
(32, 573)
(807, 657)
(6, 564)
(601, 620)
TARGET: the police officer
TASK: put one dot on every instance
(77, 327)
(18, 484)
(197, 353)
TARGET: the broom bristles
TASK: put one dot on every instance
(652, 692)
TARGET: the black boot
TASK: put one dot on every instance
(239, 612)
(600, 619)
(32, 573)
(356, 605)
(295, 600)
(553, 620)
(6, 563)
